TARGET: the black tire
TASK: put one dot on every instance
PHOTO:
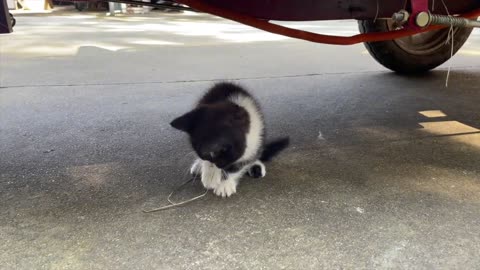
(416, 54)
(81, 6)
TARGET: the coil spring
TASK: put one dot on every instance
(447, 20)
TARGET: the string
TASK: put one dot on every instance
(450, 38)
(376, 15)
(174, 204)
(451, 33)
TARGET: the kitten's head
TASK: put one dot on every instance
(217, 132)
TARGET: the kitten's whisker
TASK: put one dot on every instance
(188, 156)
(184, 161)
(195, 176)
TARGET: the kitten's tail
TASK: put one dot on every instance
(273, 148)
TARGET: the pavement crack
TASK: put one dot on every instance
(194, 81)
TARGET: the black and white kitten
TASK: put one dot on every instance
(227, 131)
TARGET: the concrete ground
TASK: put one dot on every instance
(383, 171)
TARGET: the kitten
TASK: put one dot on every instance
(227, 131)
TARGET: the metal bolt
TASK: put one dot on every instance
(401, 17)
(423, 19)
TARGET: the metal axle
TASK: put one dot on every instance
(425, 19)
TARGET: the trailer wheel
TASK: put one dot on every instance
(81, 6)
(415, 54)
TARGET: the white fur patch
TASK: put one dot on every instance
(229, 186)
(212, 178)
(211, 175)
(226, 188)
(196, 166)
(255, 132)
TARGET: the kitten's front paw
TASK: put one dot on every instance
(211, 175)
(211, 182)
(226, 188)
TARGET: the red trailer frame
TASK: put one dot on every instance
(258, 13)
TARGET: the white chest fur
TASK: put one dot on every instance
(254, 135)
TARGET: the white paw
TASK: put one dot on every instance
(226, 188)
(211, 175)
(211, 182)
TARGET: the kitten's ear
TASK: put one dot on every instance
(185, 122)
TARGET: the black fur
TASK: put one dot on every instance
(220, 92)
(273, 148)
(218, 127)
(255, 171)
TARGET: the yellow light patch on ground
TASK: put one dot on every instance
(432, 114)
(456, 129)
(469, 52)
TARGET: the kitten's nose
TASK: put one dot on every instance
(211, 151)
(208, 155)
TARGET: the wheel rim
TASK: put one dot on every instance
(423, 43)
